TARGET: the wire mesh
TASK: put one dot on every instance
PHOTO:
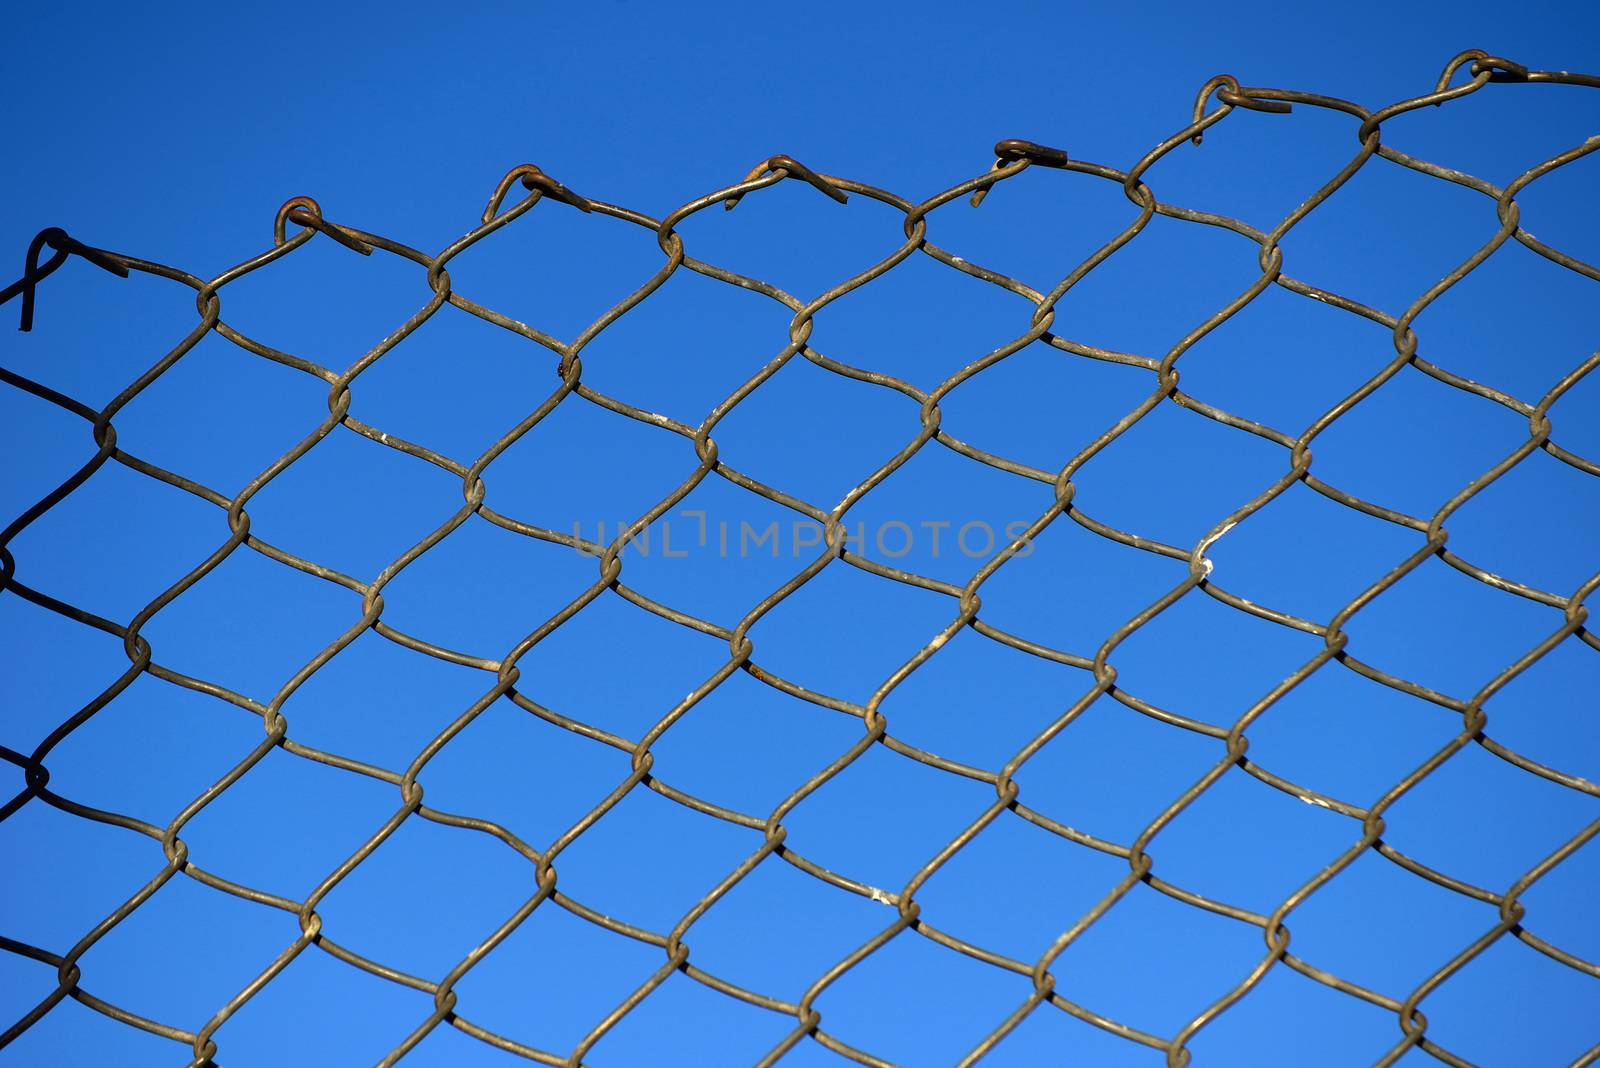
(301, 220)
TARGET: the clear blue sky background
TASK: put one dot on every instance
(173, 132)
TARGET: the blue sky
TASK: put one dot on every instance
(174, 134)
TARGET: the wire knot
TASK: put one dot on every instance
(788, 167)
(306, 212)
(1483, 67)
(62, 245)
(1232, 95)
(533, 179)
(1016, 150)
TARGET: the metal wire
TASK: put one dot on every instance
(1036, 980)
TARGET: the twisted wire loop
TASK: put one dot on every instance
(61, 245)
(1036, 979)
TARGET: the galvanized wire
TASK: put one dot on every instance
(301, 220)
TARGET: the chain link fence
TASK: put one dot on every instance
(302, 221)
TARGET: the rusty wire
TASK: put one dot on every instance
(1035, 979)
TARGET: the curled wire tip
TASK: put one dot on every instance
(1015, 150)
(1500, 70)
(1482, 66)
(62, 245)
(791, 168)
(1231, 94)
(533, 179)
(306, 212)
